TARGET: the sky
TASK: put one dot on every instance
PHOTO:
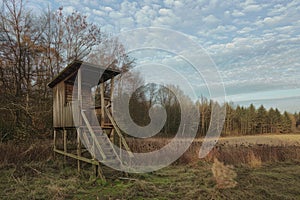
(255, 45)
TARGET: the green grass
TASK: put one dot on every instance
(52, 180)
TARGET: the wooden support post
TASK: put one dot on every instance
(112, 84)
(79, 82)
(102, 103)
(78, 148)
(54, 142)
(100, 173)
(112, 136)
(65, 144)
(120, 146)
(96, 170)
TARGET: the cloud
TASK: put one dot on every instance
(237, 13)
(69, 9)
(144, 16)
(164, 11)
(98, 12)
(166, 18)
(210, 19)
(252, 8)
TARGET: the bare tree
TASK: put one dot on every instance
(19, 38)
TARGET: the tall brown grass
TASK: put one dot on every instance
(20, 153)
(253, 155)
(224, 175)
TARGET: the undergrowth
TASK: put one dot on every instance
(30, 171)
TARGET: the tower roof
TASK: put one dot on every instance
(70, 72)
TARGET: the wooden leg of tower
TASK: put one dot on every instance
(65, 144)
(112, 137)
(100, 173)
(96, 170)
(120, 146)
(78, 149)
(102, 103)
(54, 142)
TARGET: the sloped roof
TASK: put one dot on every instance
(73, 67)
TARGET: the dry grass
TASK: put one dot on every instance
(255, 155)
(36, 151)
(41, 177)
(254, 161)
(224, 175)
(267, 139)
(236, 151)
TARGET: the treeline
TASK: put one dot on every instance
(239, 120)
(250, 120)
(33, 50)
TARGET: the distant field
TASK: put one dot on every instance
(267, 139)
(276, 140)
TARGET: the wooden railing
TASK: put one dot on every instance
(123, 141)
(95, 140)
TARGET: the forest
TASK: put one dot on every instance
(239, 120)
(36, 47)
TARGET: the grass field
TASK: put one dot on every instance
(50, 180)
(31, 172)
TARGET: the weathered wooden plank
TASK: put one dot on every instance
(65, 143)
(78, 148)
(54, 141)
(102, 103)
(91, 161)
(93, 134)
(122, 139)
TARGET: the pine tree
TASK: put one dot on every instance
(251, 112)
(261, 119)
(286, 123)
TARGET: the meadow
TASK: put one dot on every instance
(252, 170)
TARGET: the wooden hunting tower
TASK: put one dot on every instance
(74, 110)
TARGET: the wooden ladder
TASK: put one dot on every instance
(98, 143)
(118, 131)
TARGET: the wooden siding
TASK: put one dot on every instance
(62, 111)
(69, 92)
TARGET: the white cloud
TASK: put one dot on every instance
(92, 3)
(145, 16)
(252, 8)
(164, 11)
(116, 15)
(108, 9)
(237, 13)
(245, 30)
(277, 10)
(98, 12)
(69, 9)
(271, 21)
(210, 19)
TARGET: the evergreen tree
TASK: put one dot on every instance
(261, 119)
(286, 123)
